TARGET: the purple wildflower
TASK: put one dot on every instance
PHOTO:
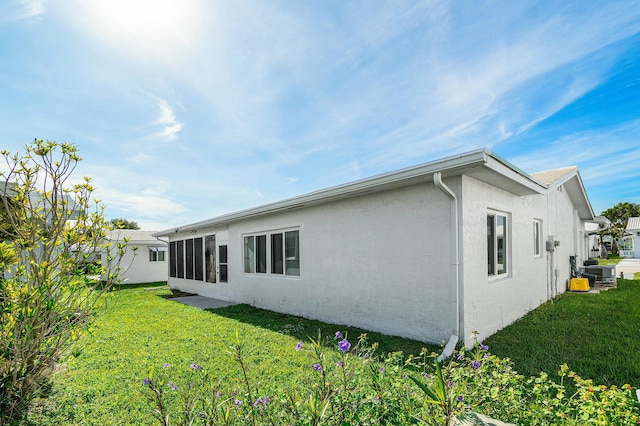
(427, 375)
(146, 381)
(173, 386)
(460, 357)
(475, 364)
(167, 365)
(317, 367)
(460, 398)
(195, 366)
(299, 346)
(339, 335)
(484, 347)
(450, 383)
(344, 345)
(382, 369)
(339, 364)
(485, 356)
(238, 402)
(367, 355)
(261, 401)
(218, 394)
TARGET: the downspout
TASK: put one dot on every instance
(455, 262)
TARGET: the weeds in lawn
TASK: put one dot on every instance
(347, 383)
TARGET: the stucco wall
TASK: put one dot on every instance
(138, 269)
(378, 261)
(493, 303)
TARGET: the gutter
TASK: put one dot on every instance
(453, 340)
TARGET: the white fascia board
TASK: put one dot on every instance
(528, 184)
(449, 166)
(578, 194)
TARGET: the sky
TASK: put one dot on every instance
(183, 110)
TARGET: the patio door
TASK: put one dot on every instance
(210, 258)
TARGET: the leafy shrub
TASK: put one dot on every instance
(49, 232)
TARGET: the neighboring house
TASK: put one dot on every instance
(632, 239)
(145, 257)
(599, 224)
(465, 244)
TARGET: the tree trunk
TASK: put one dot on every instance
(603, 251)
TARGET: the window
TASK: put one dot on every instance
(282, 250)
(156, 254)
(186, 258)
(537, 238)
(224, 274)
(173, 260)
(189, 258)
(277, 254)
(249, 254)
(292, 253)
(198, 259)
(261, 254)
(497, 244)
(210, 257)
(180, 258)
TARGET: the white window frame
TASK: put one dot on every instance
(154, 254)
(537, 239)
(289, 268)
(493, 244)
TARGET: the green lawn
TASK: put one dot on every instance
(595, 334)
(101, 383)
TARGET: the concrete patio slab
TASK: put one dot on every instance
(202, 302)
(628, 267)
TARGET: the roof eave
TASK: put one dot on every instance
(475, 162)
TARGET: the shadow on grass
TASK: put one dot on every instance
(303, 328)
(150, 285)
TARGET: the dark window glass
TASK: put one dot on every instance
(261, 254)
(172, 259)
(198, 259)
(224, 277)
(490, 245)
(189, 258)
(277, 254)
(180, 258)
(222, 254)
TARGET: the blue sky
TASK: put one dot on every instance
(187, 109)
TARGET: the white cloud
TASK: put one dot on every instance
(33, 7)
(167, 119)
(24, 9)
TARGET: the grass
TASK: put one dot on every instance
(101, 383)
(596, 335)
(613, 259)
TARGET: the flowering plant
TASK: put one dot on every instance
(345, 383)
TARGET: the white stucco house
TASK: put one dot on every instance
(431, 252)
(145, 256)
(632, 239)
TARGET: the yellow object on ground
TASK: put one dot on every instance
(579, 284)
